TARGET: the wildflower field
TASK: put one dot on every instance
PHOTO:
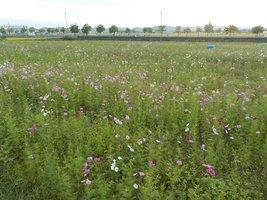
(132, 120)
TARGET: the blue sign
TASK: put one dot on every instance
(211, 46)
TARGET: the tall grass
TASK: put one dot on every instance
(122, 120)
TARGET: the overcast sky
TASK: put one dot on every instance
(132, 13)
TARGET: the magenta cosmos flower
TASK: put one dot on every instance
(210, 170)
(85, 169)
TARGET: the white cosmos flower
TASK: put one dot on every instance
(135, 186)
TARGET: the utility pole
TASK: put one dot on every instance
(161, 28)
(66, 22)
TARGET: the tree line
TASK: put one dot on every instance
(86, 29)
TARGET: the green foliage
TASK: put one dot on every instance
(231, 29)
(162, 28)
(147, 30)
(208, 28)
(74, 28)
(31, 29)
(257, 29)
(100, 29)
(127, 30)
(62, 29)
(86, 29)
(24, 29)
(51, 30)
(113, 29)
(177, 105)
(3, 30)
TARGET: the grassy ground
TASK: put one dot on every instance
(122, 120)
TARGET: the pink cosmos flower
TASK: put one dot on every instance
(85, 169)
(210, 170)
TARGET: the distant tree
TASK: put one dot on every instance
(147, 30)
(63, 30)
(208, 28)
(86, 29)
(31, 29)
(113, 29)
(41, 30)
(162, 28)
(50, 30)
(57, 30)
(178, 29)
(231, 29)
(127, 30)
(74, 28)
(187, 30)
(24, 29)
(199, 29)
(3, 30)
(10, 30)
(100, 29)
(257, 29)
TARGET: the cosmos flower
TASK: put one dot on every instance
(86, 182)
(135, 186)
(114, 166)
(93, 159)
(117, 121)
(85, 169)
(179, 162)
(140, 174)
(32, 129)
(210, 169)
(141, 141)
(214, 131)
(152, 163)
(238, 126)
(189, 138)
(130, 148)
(56, 88)
(203, 147)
